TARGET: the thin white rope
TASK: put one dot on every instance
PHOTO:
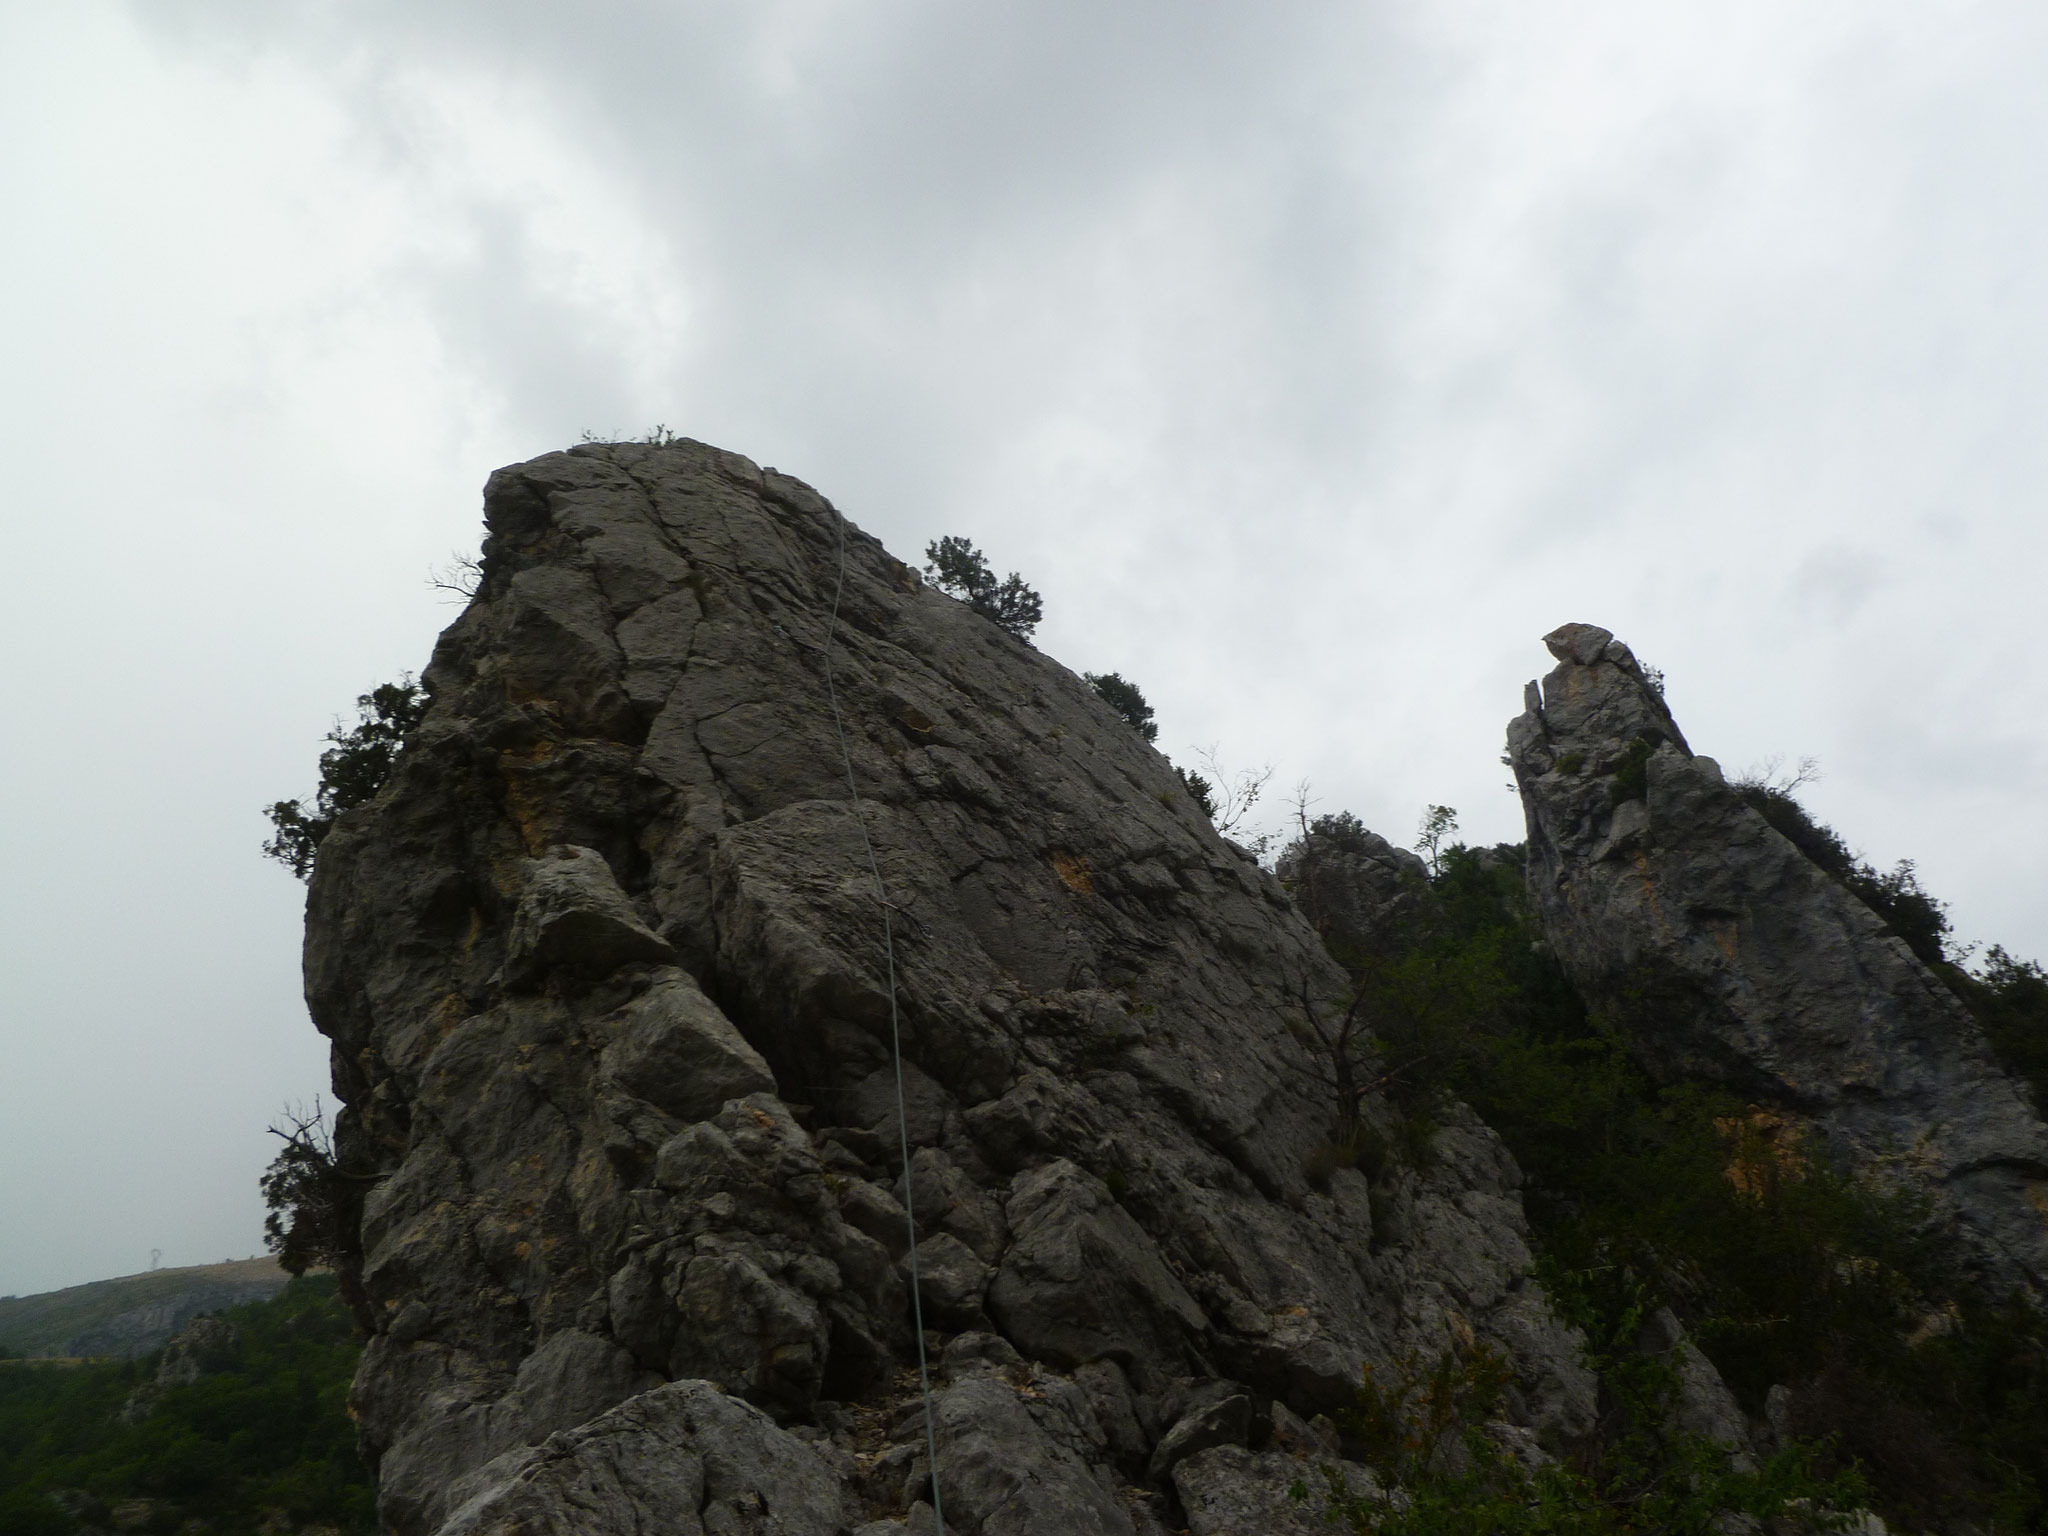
(924, 1382)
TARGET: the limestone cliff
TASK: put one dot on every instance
(1726, 954)
(605, 972)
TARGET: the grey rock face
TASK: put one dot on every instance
(682, 1460)
(1004, 1471)
(1354, 886)
(604, 970)
(573, 1376)
(1229, 1491)
(1083, 1281)
(1704, 1406)
(1728, 954)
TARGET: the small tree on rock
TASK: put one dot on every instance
(352, 770)
(1123, 696)
(1439, 825)
(957, 567)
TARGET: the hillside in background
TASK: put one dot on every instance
(131, 1315)
(239, 1426)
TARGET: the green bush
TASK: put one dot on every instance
(315, 1205)
(1424, 1429)
(1123, 696)
(352, 770)
(1632, 773)
(2010, 999)
(1199, 790)
(959, 568)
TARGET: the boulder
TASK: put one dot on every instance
(681, 1460)
(1082, 1281)
(1003, 1473)
(573, 914)
(1230, 1491)
(673, 1048)
(951, 1282)
(1226, 1421)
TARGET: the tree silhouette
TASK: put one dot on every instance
(957, 567)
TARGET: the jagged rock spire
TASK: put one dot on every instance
(1723, 951)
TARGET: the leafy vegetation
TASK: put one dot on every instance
(316, 1209)
(234, 1449)
(957, 567)
(1632, 773)
(1228, 795)
(2010, 999)
(352, 770)
(1199, 790)
(1643, 1195)
(1439, 827)
(1124, 697)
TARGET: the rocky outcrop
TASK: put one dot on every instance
(612, 994)
(1727, 954)
(205, 1346)
(1357, 890)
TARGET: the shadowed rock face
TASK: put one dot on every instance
(1727, 953)
(604, 972)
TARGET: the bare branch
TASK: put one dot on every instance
(462, 577)
(1769, 774)
(1236, 793)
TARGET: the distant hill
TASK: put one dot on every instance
(245, 1430)
(134, 1314)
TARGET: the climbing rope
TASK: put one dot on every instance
(924, 1382)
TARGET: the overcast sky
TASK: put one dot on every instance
(1312, 360)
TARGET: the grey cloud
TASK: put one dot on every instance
(1312, 360)
(1836, 581)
